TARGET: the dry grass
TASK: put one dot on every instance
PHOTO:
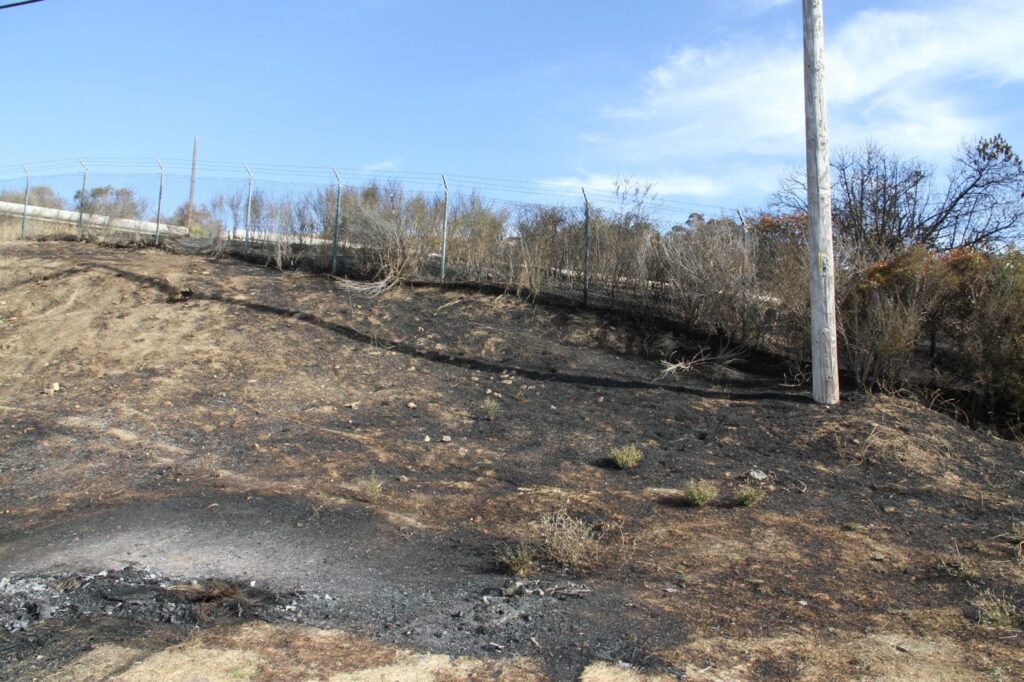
(519, 559)
(491, 409)
(958, 565)
(1016, 536)
(627, 457)
(996, 610)
(748, 495)
(700, 493)
(569, 541)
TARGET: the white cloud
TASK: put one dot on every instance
(381, 166)
(900, 77)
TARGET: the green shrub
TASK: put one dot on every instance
(627, 457)
(700, 493)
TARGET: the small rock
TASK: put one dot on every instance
(757, 475)
(411, 405)
(877, 557)
(802, 602)
(889, 510)
(402, 479)
(446, 439)
(426, 439)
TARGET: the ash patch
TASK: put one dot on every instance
(129, 593)
(539, 617)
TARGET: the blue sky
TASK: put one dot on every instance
(703, 98)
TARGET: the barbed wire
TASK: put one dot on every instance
(506, 190)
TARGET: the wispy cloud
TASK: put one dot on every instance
(902, 77)
(387, 165)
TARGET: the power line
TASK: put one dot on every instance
(19, 4)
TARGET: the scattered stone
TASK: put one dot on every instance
(411, 405)
(426, 439)
(446, 439)
(757, 475)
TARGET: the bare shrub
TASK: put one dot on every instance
(883, 316)
(569, 541)
(710, 269)
(387, 234)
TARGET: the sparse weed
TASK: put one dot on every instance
(957, 565)
(748, 495)
(700, 493)
(996, 610)
(491, 409)
(372, 488)
(1016, 536)
(569, 541)
(519, 559)
(627, 457)
(853, 527)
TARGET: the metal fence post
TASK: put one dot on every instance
(337, 224)
(586, 246)
(24, 208)
(81, 201)
(159, 201)
(744, 277)
(248, 207)
(444, 231)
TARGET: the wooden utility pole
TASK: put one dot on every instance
(824, 350)
(444, 231)
(192, 184)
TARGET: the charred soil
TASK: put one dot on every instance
(278, 476)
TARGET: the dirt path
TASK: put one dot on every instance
(361, 459)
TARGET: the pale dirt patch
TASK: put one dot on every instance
(877, 656)
(261, 651)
